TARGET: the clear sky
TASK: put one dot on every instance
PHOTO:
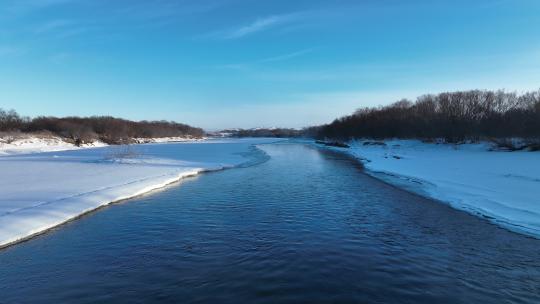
(239, 63)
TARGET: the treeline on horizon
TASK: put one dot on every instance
(453, 116)
(264, 132)
(108, 129)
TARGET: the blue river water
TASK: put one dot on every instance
(304, 226)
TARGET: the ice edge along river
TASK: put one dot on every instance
(29, 222)
(502, 187)
(42, 191)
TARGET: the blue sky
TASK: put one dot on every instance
(238, 63)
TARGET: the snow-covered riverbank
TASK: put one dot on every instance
(32, 143)
(501, 186)
(40, 191)
(23, 143)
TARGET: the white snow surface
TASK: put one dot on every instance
(22, 144)
(36, 143)
(503, 187)
(40, 191)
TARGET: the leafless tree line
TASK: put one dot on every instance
(87, 129)
(265, 132)
(452, 116)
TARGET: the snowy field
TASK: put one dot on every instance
(40, 191)
(37, 143)
(501, 186)
(24, 144)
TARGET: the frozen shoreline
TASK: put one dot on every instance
(39, 143)
(42, 191)
(34, 143)
(30, 222)
(503, 187)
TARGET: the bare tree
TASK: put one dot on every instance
(87, 129)
(453, 116)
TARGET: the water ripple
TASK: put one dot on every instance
(295, 225)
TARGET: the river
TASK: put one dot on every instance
(303, 226)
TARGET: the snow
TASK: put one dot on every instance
(22, 144)
(37, 143)
(41, 191)
(503, 187)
